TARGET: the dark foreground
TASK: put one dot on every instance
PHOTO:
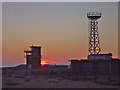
(50, 77)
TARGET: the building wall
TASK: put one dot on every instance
(101, 67)
(33, 57)
(100, 57)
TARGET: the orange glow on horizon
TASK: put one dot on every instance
(43, 63)
(46, 61)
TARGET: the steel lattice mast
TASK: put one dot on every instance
(94, 42)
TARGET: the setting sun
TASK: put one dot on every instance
(47, 61)
(43, 62)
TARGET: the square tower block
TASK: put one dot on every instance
(33, 57)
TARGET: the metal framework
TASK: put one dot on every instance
(94, 42)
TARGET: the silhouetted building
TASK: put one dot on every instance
(100, 56)
(95, 67)
(33, 57)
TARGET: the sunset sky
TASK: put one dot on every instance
(60, 28)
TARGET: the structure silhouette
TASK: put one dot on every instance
(94, 42)
(33, 57)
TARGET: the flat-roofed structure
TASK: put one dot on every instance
(100, 56)
(96, 68)
(33, 57)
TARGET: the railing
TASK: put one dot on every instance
(27, 50)
(94, 14)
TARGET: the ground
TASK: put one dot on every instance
(20, 77)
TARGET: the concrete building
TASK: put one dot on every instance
(100, 56)
(96, 67)
(101, 60)
(33, 57)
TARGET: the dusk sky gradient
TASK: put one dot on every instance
(61, 29)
